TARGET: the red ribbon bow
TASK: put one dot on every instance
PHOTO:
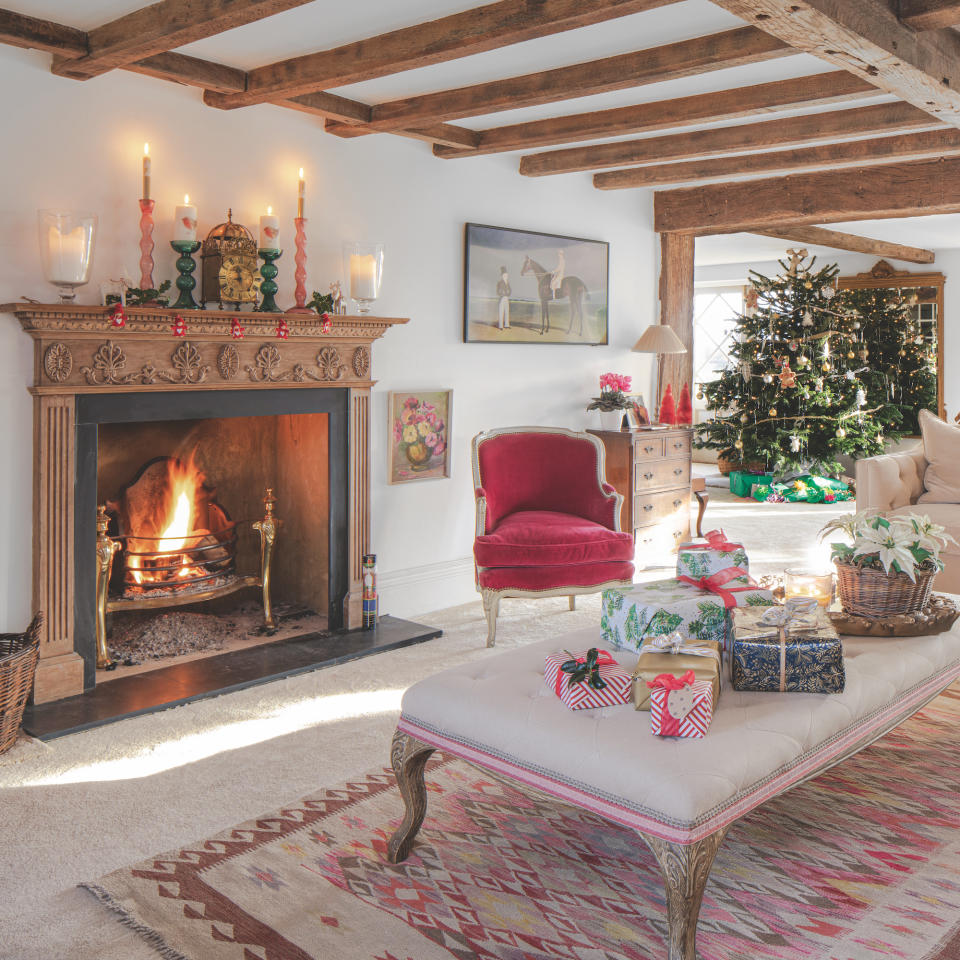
(715, 584)
(669, 682)
(716, 540)
(603, 660)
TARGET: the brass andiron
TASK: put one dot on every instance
(106, 548)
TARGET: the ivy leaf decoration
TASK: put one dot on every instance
(589, 670)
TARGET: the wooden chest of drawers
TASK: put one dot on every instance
(651, 470)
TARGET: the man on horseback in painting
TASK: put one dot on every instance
(556, 278)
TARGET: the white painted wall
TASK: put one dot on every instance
(77, 146)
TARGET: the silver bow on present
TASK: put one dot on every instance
(795, 614)
(674, 643)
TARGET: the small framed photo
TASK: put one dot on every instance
(419, 435)
(637, 415)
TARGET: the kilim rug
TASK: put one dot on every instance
(862, 863)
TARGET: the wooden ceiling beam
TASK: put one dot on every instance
(192, 71)
(865, 37)
(859, 121)
(929, 14)
(848, 241)
(448, 38)
(907, 146)
(161, 27)
(911, 189)
(20, 30)
(822, 88)
(446, 135)
(732, 48)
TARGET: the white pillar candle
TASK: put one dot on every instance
(67, 255)
(269, 231)
(146, 172)
(301, 195)
(363, 277)
(185, 221)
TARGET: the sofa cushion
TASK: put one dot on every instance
(539, 538)
(946, 514)
(557, 578)
(941, 447)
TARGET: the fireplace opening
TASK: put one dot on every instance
(212, 534)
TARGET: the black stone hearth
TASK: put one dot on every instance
(211, 676)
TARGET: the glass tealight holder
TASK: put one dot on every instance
(66, 249)
(805, 583)
(363, 269)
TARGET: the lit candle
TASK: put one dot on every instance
(363, 277)
(301, 194)
(269, 230)
(68, 255)
(185, 221)
(146, 171)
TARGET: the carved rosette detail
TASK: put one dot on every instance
(329, 363)
(361, 362)
(108, 364)
(188, 366)
(228, 362)
(266, 368)
(58, 362)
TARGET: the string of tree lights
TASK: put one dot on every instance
(816, 373)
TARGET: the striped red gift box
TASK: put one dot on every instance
(684, 711)
(581, 696)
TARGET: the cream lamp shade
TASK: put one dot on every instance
(658, 338)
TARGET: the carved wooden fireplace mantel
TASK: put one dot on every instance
(78, 351)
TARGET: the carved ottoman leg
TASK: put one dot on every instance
(573, 602)
(702, 500)
(685, 871)
(408, 757)
(491, 607)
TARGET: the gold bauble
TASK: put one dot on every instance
(772, 411)
(825, 366)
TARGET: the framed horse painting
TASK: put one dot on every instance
(526, 287)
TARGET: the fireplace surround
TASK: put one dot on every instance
(90, 376)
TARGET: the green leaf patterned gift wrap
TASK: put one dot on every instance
(803, 654)
(652, 609)
(710, 555)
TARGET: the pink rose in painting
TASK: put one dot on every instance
(439, 448)
(431, 440)
(411, 403)
(397, 431)
(407, 416)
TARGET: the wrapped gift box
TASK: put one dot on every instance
(680, 706)
(663, 606)
(712, 555)
(742, 482)
(581, 695)
(659, 655)
(803, 654)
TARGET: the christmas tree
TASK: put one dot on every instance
(795, 396)
(903, 365)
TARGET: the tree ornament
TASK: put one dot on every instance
(807, 319)
(918, 341)
(856, 325)
(118, 317)
(772, 411)
(841, 433)
(861, 397)
(179, 326)
(794, 444)
(825, 366)
(684, 406)
(794, 345)
(283, 331)
(808, 285)
(903, 353)
(768, 378)
(796, 258)
(744, 418)
(787, 377)
(828, 292)
(236, 331)
(819, 384)
(864, 354)
(850, 375)
(738, 444)
(850, 354)
(700, 391)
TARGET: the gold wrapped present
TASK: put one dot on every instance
(671, 653)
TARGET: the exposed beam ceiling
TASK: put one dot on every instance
(929, 14)
(848, 241)
(732, 48)
(876, 119)
(866, 37)
(19, 30)
(191, 71)
(914, 189)
(161, 27)
(821, 88)
(907, 146)
(449, 38)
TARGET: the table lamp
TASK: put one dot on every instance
(658, 339)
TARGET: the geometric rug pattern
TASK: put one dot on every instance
(860, 864)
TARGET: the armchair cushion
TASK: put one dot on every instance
(537, 579)
(547, 538)
(941, 447)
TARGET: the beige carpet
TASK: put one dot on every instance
(85, 805)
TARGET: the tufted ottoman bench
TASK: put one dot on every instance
(680, 795)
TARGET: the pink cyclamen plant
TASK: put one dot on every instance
(613, 393)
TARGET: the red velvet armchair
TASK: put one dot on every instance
(548, 523)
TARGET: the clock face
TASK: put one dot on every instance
(239, 282)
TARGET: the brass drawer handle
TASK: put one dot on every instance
(678, 446)
(648, 476)
(648, 449)
(677, 533)
(677, 503)
(649, 506)
(678, 471)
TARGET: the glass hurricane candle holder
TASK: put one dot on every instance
(805, 583)
(66, 249)
(363, 269)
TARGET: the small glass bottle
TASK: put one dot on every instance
(369, 568)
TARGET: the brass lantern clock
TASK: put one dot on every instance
(230, 274)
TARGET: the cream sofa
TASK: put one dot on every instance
(892, 483)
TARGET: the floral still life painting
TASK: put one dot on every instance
(419, 435)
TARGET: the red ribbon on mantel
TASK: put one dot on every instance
(603, 660)
(715, 584)
(716, 540)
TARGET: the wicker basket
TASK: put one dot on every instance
(727, 464)
(18, 663)
(866, 592)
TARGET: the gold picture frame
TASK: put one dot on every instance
(418, 434)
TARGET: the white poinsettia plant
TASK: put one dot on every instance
(904, 544)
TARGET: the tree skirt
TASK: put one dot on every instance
(861, 863)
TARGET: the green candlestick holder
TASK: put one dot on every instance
(268, 288)
(186, 281)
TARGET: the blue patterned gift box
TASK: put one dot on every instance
(807, 658)
(660, 607)
(710, 555)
